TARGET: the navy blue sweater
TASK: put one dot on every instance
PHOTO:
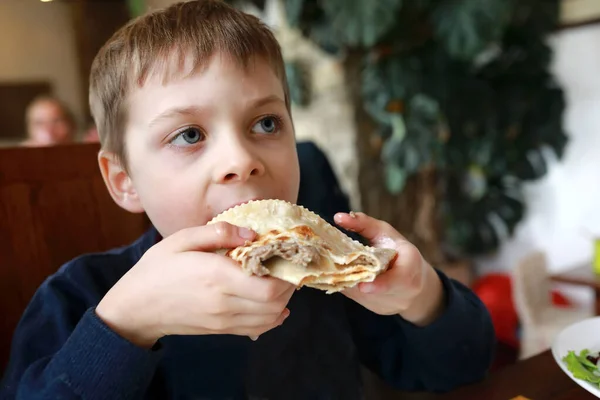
(62, 350)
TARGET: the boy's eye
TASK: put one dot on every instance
(188, 136)
(268, 125)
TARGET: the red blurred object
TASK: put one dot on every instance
(495, 291)
(558, 299)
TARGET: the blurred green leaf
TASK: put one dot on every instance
(136, 7)
(533, 166)
(544, 121)
(424, 108)
(322, 34)
(538, 17)
(476, 224)
(393, 80)
(466, 27)
(298, 81)
(395, 178)
(485, 237)
(360, 23)
(413, 144)
(293, 9)
(422, 3)
(403, 154)
(473, 236)
(474, 182)
(398, 126)
(412, 158)
(510, 209)
(392, 151)
(462, 85)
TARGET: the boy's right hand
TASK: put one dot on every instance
(180, 287)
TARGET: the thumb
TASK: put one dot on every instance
(220, 235)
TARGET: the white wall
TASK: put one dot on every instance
(37, 42)
(564, 207)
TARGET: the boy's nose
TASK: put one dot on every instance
(238, 164)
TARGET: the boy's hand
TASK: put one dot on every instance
(178, 288)
(410, 287)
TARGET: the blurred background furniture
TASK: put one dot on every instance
(582, 275)
(540, 320)
(54, 206)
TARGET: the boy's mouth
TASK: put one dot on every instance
(239, 204)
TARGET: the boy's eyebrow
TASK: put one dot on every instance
(195, 110)
(266, 100)
(174, 112)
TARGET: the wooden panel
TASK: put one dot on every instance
(94, 22)
(53, 207)
(574, 13)
(14, 99)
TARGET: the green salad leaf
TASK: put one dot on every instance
(582, 357)
(581, 367)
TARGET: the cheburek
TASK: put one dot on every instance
(298, 246)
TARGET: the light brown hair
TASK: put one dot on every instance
(158, 44)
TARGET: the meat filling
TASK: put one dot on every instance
(362, 260)
(301, 255)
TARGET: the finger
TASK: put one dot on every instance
(262, 289)
(369, 288)
(352, 293)
(404, 274)
(220, 235)
(255, 333)
(240, 305)
(374, 230)
(252, 324)
(381, 284)
(362, 288)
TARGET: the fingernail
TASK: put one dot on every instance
(286, 313)
(246, 233)
(254, 338)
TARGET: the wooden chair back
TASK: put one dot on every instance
(54, 206)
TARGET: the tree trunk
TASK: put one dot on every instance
(413, 212)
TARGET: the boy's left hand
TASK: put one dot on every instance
(410, 287)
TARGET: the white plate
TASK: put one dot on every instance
(581, 335)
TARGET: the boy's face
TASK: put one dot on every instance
(200, 145)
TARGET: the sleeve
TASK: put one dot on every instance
(59, 352)
(454, 350)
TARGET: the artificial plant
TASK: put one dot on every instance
(460, 86)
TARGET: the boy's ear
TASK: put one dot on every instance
(118, 182)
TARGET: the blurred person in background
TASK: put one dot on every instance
(49, 122)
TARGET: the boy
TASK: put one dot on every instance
(194, 116)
